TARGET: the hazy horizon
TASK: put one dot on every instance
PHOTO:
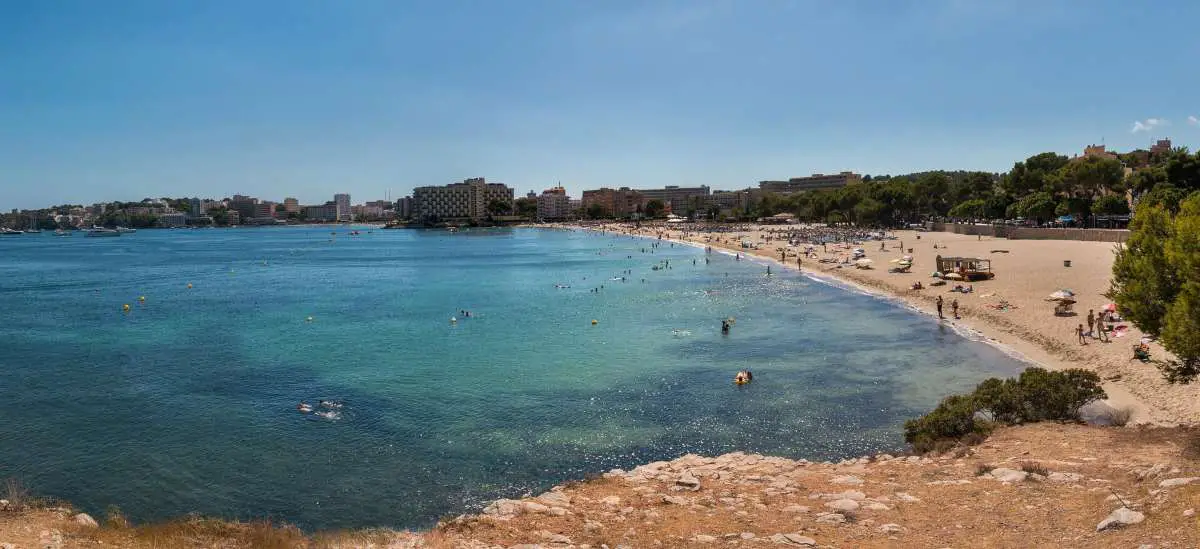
(135, 99)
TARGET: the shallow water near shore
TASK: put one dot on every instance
(188, 402)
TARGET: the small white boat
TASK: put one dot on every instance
(102, 232)
(125, 230)
(5, 231)
(60, 232)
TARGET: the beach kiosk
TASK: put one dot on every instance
(967, 268)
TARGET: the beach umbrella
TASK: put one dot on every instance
(1061, 295)
(953, 276)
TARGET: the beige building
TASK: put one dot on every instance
(677, 199)
(466, 200)
(553, 203)
(1163, 146)
(813, 182)
(622, 202)
(291, 205)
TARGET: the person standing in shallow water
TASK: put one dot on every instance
(939, 307)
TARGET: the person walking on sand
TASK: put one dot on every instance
(1091, 320)
(939, 307)
(954, 307)
(1079, 332)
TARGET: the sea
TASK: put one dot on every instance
(582, 352)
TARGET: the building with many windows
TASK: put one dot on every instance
(325, 212)
(623, 202)
(553, 203)
(459, 201)
(677, 199)
(814, 182)
(342, 202)
(404, 208)
(291, 205)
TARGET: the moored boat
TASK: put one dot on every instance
(102, 232)
(5, 231)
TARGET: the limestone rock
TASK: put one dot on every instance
(611, 501)
(551, 537)
(848, 494)
(676, 500)
(876, 506)
(688, 481)
(843, 505)
(796, 509)
(833, 518)
(795, 540)
(907, 498)
(1173, 482)
(592, 526)
(1008, 475)
(85, 520)
(891, 528)
(847, 479)
(746, 535)
(1189, 513)
(535, 507)
(1123, 516)
(704, 538)
(503, 509)
(1064, 477)
(555, 499)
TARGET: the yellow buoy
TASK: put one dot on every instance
(594, 322)
(142, 299)
(189, 285)
(125, 307)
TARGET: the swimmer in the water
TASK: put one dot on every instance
(304, 407)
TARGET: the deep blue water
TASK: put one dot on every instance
(187, 403)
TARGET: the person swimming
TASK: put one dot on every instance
(304, 407)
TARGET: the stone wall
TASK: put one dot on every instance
(1032, 233)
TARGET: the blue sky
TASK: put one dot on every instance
(127, 99)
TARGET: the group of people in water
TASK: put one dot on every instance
(329, 409)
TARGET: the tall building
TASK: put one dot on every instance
(291, 205)
(264, 209)
(1163, 146)
(466, 200)
(404, 208)
(814, 182)
(342, 201)
(553, 204)
(677, 199)
(623, 202)
(244, 205)
(196, 207)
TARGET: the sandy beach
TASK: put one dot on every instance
(1026, 272)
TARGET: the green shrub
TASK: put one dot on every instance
(1036, 395)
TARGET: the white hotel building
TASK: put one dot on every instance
(466, 200)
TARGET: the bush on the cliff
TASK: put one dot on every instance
(953, 419)
(1036, 395)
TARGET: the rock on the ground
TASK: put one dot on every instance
(1173, 482)
(1123, 516)
(675, 500)
(796, 509)
(833, 518)
(611, 501)
(1064, 477)
(1008, 475)
(689, 481)
(795, 540)
(907, 498)
(1189, 513)
(891, 528)
(85, 520)
(847, 479)
(704, 538)
(843, 505)
(503, 509)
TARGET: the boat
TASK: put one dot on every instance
(61, 232)
(125, 230)
(5, 231)
(102, 232)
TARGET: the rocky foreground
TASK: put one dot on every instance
(1045, 485)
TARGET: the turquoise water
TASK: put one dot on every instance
(187, 403)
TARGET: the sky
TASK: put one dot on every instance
(123, 99)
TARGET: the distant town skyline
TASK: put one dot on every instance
(134, 99)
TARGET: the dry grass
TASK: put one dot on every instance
(1034, 468)
(16, 493)
(983, 469)
(1118, 417)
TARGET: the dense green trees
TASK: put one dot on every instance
(655, 208)
(1156, 282)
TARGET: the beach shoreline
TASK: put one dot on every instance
(1022, 334)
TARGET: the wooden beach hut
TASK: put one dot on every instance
(969, 268)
